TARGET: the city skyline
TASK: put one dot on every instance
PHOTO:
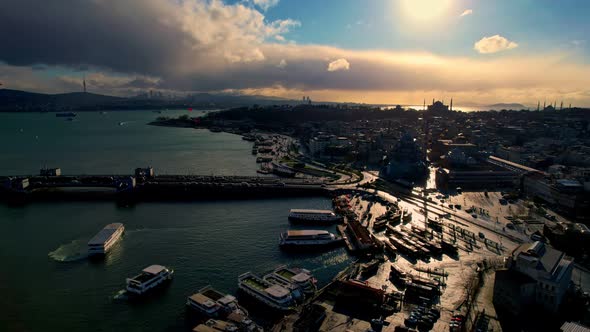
(382, 52)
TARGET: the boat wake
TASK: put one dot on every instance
(121, 295)
(71, 252)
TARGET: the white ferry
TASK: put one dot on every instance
(213, 304)
(308, 238)
(149, 278)
(274, 296)
(105, 239)
(314, 216)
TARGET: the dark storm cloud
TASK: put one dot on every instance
(125, 36)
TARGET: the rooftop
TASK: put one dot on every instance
(277, 291)
(573, 327)
(307, 232)
(311, 211)
(104, 234)
(154, 269)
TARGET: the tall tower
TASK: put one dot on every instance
(84, 83)
(538, 105)
(424, 109)
(451, 104)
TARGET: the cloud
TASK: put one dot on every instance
(340, 64)
(466, 12)
(578, 42)
(208, 46)
(265, 4)
(494, 44)
(282, 64)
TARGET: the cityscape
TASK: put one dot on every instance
(276, 165)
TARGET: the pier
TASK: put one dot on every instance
(145, 186)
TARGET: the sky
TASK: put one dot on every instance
(477, 52)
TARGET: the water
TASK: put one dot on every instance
(46, 281)
(96, 143)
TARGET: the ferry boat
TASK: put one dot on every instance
(308, 239)
(213, 304)
(274, 296)
(314, 216)
(103, 241)
(301, 278)
(149, 278)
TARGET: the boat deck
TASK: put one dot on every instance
(143, 277)
(254, 283)
(285, 273)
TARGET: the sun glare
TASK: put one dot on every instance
(424, 10)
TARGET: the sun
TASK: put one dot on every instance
(424, 10)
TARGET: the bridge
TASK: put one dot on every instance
(145, 186)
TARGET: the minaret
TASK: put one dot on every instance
(561, 107)
(84, 83)
(545, 102)
(538, 105)
(570, 107)
(451, 104)
(424, 109)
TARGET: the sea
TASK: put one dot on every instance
(47, 283)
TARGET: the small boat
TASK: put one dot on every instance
(150, 278)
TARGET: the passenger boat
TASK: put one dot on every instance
(213, 325)
(314, 216)
(213, 304)
(104, 240)
(274, 296)
(301, 278)
(151, 277)
(308, 239)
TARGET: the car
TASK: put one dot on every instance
(474, 215)
(481, 235)
(510, 226)
(458, 206)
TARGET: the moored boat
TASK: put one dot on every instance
(308, 239)
(274, 296)
(301, 278)
(314, 216)
(213, 303)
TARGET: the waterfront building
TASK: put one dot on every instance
(535, 274)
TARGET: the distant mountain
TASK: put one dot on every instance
(23, 101)
(15, 100)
